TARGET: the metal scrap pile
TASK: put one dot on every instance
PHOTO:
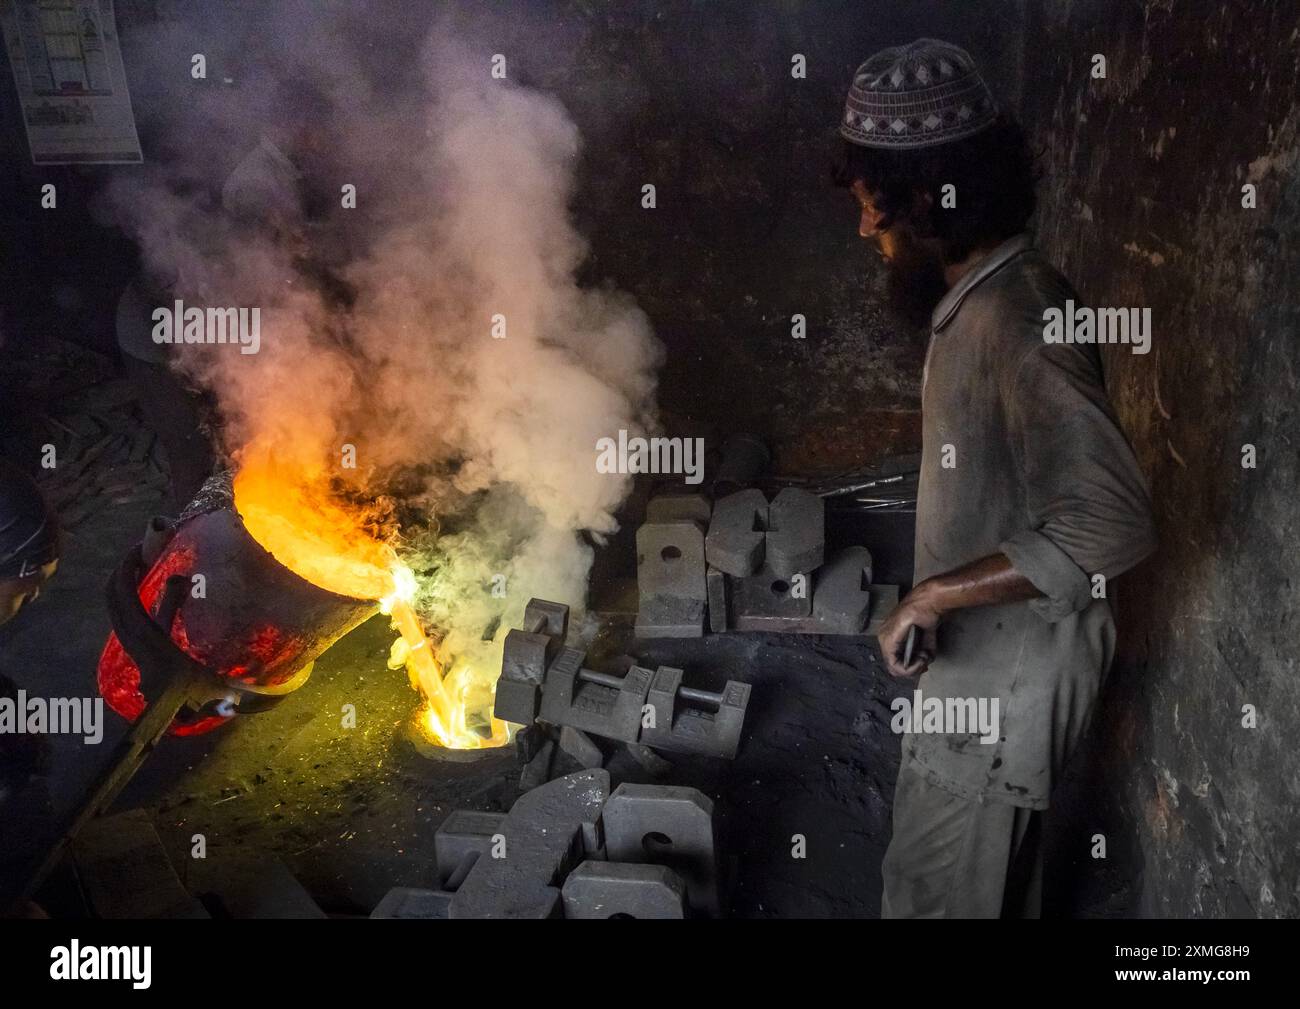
(569, 848)
(747, 564)
(572, 849)
(545, 687)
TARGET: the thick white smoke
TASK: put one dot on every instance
(463, 183)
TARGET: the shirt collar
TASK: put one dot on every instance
(984, 269)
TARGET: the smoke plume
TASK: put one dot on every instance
(378, 322)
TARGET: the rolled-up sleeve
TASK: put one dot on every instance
(1087, 504)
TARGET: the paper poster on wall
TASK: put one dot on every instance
(67, 66)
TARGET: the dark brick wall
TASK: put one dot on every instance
(1142, 207)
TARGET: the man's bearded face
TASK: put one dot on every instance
(914, 280)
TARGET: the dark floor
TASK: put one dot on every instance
(353, 812)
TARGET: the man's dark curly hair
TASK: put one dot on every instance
(993, 172)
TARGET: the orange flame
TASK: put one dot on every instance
(298, 517)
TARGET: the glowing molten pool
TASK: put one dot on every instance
(300, 520)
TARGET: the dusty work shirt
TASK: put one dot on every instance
(1021, 455)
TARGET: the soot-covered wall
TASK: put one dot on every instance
(1142, 206)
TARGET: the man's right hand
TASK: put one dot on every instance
(914, 611)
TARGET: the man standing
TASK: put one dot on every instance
(1030, 500)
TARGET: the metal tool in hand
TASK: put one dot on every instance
(909, 646)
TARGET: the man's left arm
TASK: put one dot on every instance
(1088, 509)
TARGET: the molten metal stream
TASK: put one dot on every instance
(297, 519)
(444, 718)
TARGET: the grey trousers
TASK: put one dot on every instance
(951, 857)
